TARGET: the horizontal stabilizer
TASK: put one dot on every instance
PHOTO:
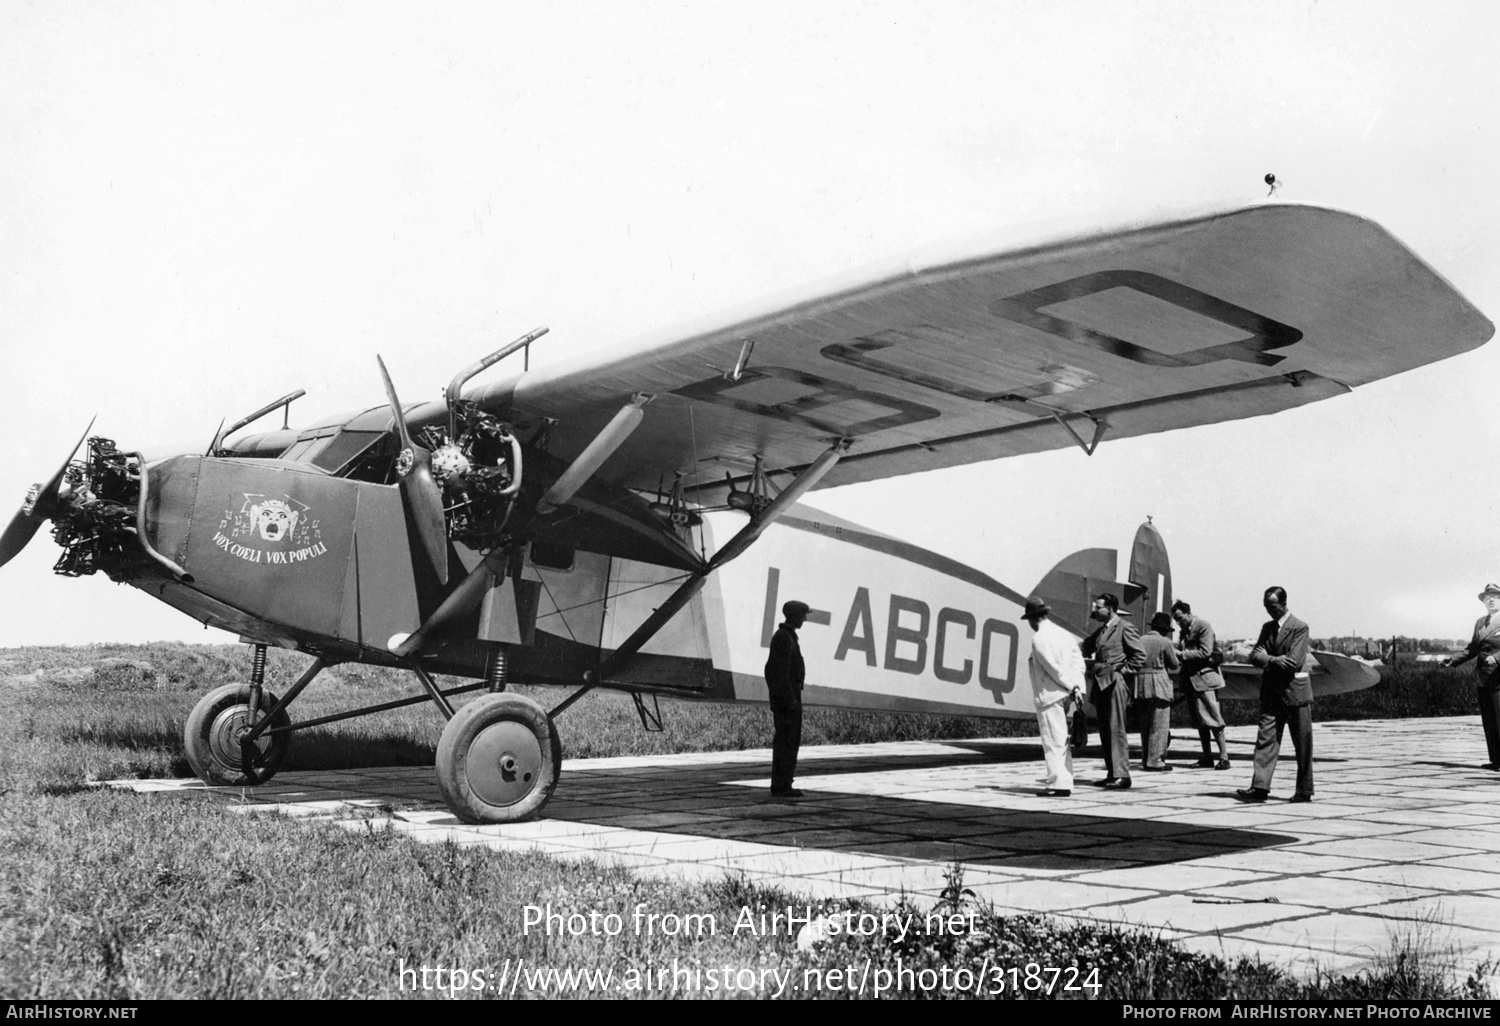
(1072, 585)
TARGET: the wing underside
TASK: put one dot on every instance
(982, 352)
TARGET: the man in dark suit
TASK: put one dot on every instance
(1485, 650)
(1285, 699)
(785, 673)
(1113, 650)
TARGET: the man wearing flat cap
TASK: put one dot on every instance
(1485, 651)
(785, 673)
(1057, 687)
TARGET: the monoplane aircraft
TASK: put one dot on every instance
(631, 520)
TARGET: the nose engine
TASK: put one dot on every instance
(93, 504)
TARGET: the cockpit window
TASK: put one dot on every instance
(300, 449)
(344, 448)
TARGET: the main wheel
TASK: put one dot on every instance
(498, 760)
(212, 739)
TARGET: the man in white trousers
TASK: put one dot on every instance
(1057, 684)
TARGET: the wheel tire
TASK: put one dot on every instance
(211, 739)
(498, 760)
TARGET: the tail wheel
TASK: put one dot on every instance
(498, 760)
(212, 739)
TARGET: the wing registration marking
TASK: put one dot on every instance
(1262, 333)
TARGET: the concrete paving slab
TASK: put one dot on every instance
(1366, 939)
(1331, 892)
(1395, 843)
(1447, 879)
(1196, 914)
(1480, 912)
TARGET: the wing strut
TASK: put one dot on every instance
(736, 545)
(625, 421)
(1100, 426)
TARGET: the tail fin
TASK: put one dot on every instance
(1071, 586)
(1150, 572)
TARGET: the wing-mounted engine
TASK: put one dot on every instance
(479, 472)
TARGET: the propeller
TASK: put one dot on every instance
(37, 508)
(423, 497)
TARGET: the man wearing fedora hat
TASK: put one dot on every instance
(1057, 687)
(785, 673)
(1485, 650)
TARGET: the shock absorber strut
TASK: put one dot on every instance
(497, 666)
(257, 678)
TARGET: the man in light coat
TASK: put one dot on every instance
(1057, 687)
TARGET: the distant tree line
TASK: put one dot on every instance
(1385, 648)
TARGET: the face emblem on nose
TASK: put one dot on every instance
(274, 519)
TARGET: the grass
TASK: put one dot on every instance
(109, 894)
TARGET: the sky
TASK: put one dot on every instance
(204, 207)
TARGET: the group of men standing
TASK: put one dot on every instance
(1118, 665)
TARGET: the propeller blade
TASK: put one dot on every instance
(424, 501)
(390, 393)
(463, 598)
(423, 497)
(17, 534)
(23, 526)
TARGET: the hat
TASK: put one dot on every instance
(1162, 622)
(1035, 608)
(795, 608)
(1489, 589)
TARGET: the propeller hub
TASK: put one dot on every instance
(450, 465)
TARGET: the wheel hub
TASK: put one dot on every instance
(504, 763)
(224, 738)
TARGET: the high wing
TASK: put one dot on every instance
(982, 350)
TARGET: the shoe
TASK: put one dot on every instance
(1252, 794)
(789, 792)
(1163, 768)
(1107, 782)
(1221, 764)
(1054, 792)
(1207, 762)
(1117, 784)
(1300, 799)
